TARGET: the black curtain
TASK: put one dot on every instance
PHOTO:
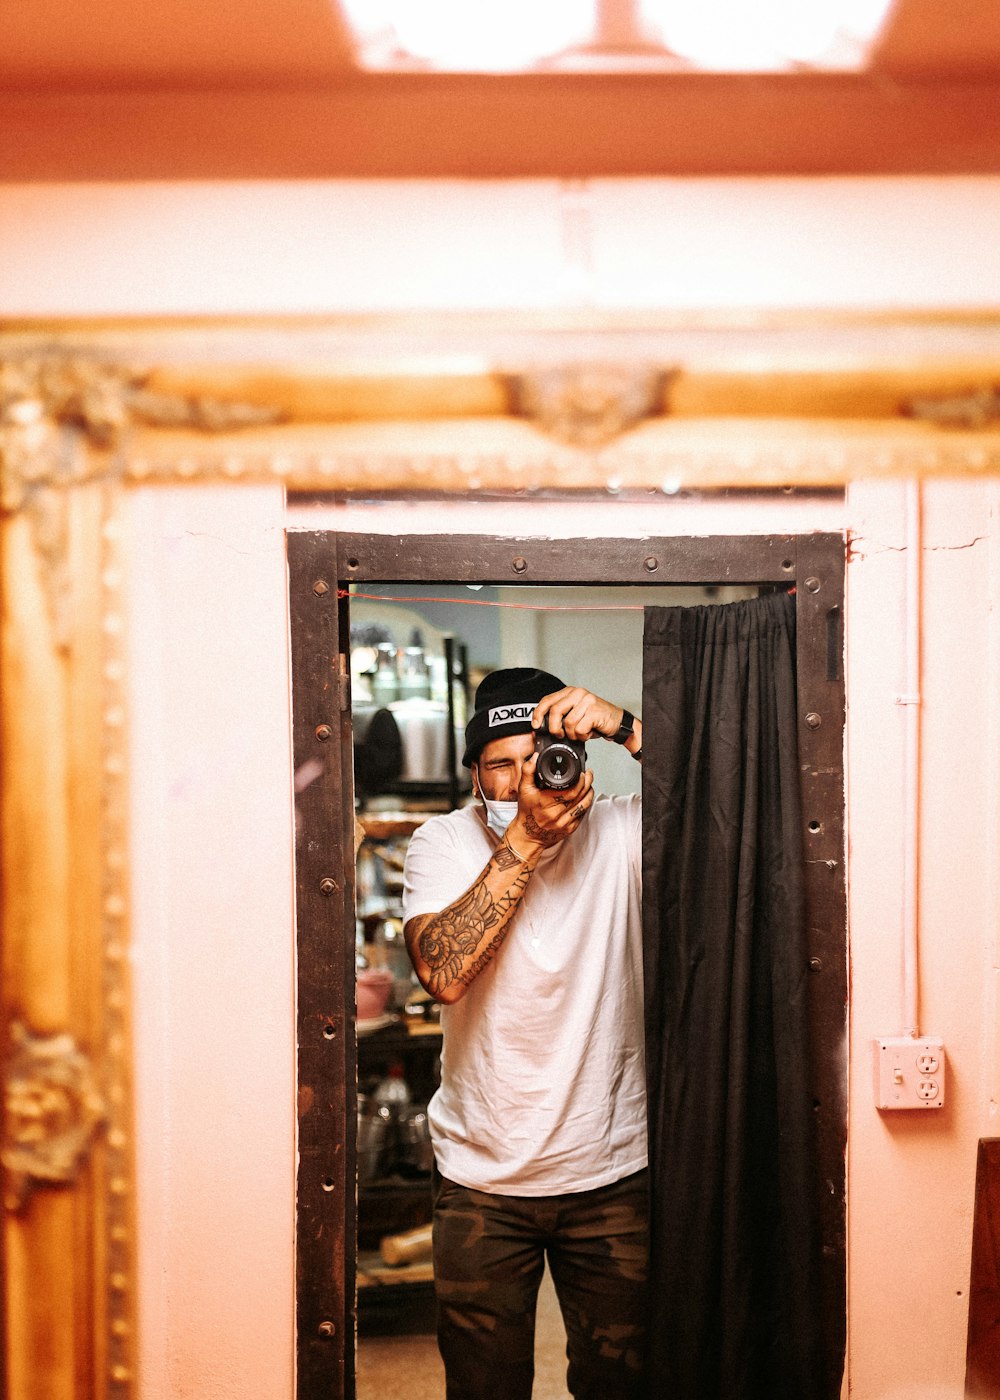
(735, 1232)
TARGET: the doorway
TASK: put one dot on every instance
(323, 568)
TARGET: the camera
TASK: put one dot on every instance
(561, 761)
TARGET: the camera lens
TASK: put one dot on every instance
(560, 761)
(559, 769)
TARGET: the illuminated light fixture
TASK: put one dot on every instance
(480, 36)
(472, 36)
(737, 36)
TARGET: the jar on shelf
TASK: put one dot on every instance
(373, 1128)
(392, 1091)
(414, 673)
(384, 680)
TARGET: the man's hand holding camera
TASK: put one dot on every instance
(578, 714)
(557, 789)
(547, 815)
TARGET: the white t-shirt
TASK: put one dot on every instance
(543, 1079)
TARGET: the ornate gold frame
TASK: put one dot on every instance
(603, 407)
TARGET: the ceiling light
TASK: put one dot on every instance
(739, 36)
(462, 36)
(482, 36)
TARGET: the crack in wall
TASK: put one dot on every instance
(856, 551)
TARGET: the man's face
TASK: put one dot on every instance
(497, 773)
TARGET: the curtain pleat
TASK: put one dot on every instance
(735, 1220)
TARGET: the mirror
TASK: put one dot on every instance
(397, 1046)
(127, 558)
(399, 636)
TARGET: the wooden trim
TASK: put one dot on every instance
(531, 125)
(819, 614)
(167, 330)
(982, 1376)
(324, 905)
(64, 915)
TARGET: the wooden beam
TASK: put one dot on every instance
(218, 43)
(982, 1378)
(926, 37)
(565, 125)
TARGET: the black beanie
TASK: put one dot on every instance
(504, 702)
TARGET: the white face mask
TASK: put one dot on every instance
(499, 815)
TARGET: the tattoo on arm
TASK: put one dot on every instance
(484, 959)
(505, 857)
(538, 833)
(509, 901)
(450, 943)
(455, 934)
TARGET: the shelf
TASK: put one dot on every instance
(391, 1206)
(390, 1033)
(382, 826)
(374, 1272)
(438, 795)
(394, 1301)
(386, 1186)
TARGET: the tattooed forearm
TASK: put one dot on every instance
(505, 857)
(484, 959)
(511, 897)
(455, 935)
(450, 949)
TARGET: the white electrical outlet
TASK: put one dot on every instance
(909, 1072)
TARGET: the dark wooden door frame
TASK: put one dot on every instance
(321, 567)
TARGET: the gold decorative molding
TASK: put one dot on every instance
(979, 408)
(118, 1165)
(589, 405)
(69, 416)
(508, 456)
(52, 1109)
(48, 402)
(102, 399)
(63, 420)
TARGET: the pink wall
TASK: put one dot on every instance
(214, 930)
(912, 1175)
(356, 246)
(213, 963)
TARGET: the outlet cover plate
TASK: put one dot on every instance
(909, 1072)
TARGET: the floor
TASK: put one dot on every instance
(409, 1368)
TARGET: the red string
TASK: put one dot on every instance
(489, 603)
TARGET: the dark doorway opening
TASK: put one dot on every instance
(323, 566)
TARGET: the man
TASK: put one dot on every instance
(523, 917)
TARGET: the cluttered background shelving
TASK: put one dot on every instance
(409, 704)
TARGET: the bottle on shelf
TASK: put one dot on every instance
(414, 674)
(384, 680)
(392, 1094)
(392, 1091)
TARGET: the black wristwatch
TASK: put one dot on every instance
(625, 729)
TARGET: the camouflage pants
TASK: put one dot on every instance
(489, 1257)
